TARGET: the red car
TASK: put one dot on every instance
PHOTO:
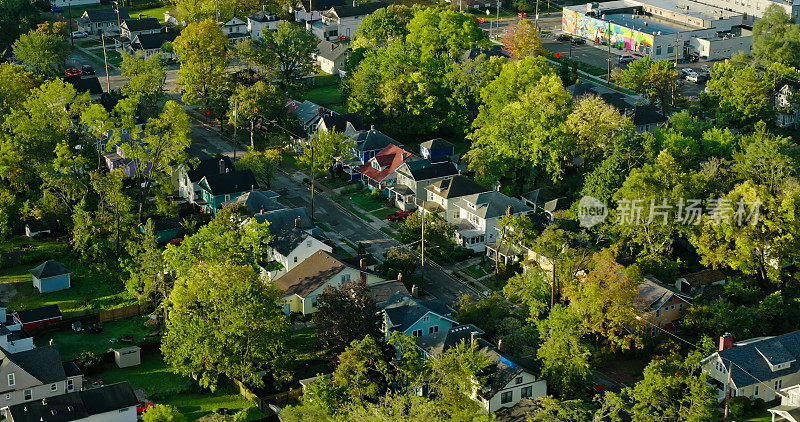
(481, 20)
(143, 406)
(398, 215)
(522, 15)
(73, 71)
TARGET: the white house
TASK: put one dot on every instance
(441, 196)
(788, 111)
(154, 43)
(38, 373)
(414, 176)
(789, 409)
(132, 27)
(341, 22)
(235, 29)
(104, 21)
(330, 56)
(415, 317)
(109, 403)
(261, 21)
(310, 10)
(478, 215)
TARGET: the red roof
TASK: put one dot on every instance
(390, 158)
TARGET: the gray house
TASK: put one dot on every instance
(414, 176)
(50, 277)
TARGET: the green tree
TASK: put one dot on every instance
(114, 208)
(381, 26)
(776, 37)
(346, 314)
(162, 413)
(550, 409)
(260, 101)
(446, 32)
(493, 314)
(399, 260)
(16, 83)
(289, 51)
(439, 233)
(363, 370)
(455, 375)
(654, 79)
(224, 321)
(743, 93)
(594, 126)
(145, 267)
(146, 77)
(41, 53)
(201, 54)
(523, 40)
(17, 17)
(564, 356)
(325, 148)
(531, 288)
(263, 165)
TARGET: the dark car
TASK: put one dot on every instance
(577, 41)
(87, 70)
(398, 215)
(563, 37)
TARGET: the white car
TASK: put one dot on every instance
(626, 58)
(79, 34)
(694, 77)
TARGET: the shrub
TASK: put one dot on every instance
(740, 406)
(91, 363)
(760, 405)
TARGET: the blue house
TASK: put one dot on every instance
(436, 150)
(50, 277)
(414, 317)
(217, 189)
(369, 142)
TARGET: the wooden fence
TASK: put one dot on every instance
(117, 314)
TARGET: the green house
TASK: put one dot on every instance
(217, 189)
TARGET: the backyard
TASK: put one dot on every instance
(326, 92)
(71, 344)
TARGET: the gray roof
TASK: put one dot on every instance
(106, 15)
(384, 290)
(646, 115)
(77, 405)
(456, 187)
(81, 85)
(362, 9)
(43, 363)
(38, 314)
(425, 170)
(257, 201)
(752, 359)
(492, 204)
(539, 196)
(331, 50)
(338, 122)
(308, 112)
(263, 16)
(439, 342)
(373, 140)
(153, 41)
(653, 293)
(404, 310)
(207, 166)
(437, 143)
(285, 233)
(145, 24)
(49, 268)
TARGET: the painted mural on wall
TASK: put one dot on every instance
(597, 30)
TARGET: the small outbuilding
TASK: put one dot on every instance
(32, 318)
(128, 356)
(51, 276)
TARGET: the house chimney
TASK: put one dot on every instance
(297, 222)
(252, 188)
(399, 276)
(227, 170)
(500, 345)
(362, 263)
(261, 212)
(725, 342)
(332, 46)
(221, 166)
(371, 127)
(473, 336)
(415, 291)
(52, 342)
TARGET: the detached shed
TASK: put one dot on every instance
(128, 356)
(51, 276)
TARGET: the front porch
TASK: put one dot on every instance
(404, 197)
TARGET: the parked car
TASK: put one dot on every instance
(684, 72)
(705, 68)
(73, 71)
(577, 41)
(626, 58)
(481, 20)
(694, 77)
(522, 15)
(563, 37)
(87, 70)
(143, 406)
(398, 215)
(79, 34)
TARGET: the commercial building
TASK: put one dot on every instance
(663, 29)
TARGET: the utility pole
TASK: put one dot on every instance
(608, 74)
(497, 31)
(676, 51)
(537, 14)
(422, 243)
(727, 393)
(69, 11)
(105, 61)
(235, 125)
(313, 175)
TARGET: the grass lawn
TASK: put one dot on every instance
(323, 226)
(71, 344)
(476, 271)
(309, 360)
(325, 95)
(155, 376)
(113, 57)
(383, 212)
(291, 161)
(153, 12)
(345, 203)
(365, 201)
(390, 232)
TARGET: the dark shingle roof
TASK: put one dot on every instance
(752, 358)
(43, 363)
(384, 290)
(206, 167)
(90, 85)
(311, 274)
(474, 52)
(437, 143)
(653, 293)
(455, 187)
(49, 268)
(170, 223)
(437, 343)
(231, 182)
(493, 204)
(539, 196)
(77, 405)
(38, 314)
(263, 16)
(646, 115)
(146, 24)
(373, 140)
(425, 170)
(358, 10)
(331, 50)
(257, 201)
(71, 369)
(338, 122)
(154, 41)
(107, 15)
(309, 5)
(404, 310)
(285, 218)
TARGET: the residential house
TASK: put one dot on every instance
(646, 118)
(189, 176)
(154, 43)
(341, 22)
(663, 304)
(330, 56)
(311, 10)
(380, 171)
(29, 319)
(758, 368)
(478, 215)
(117, 160)
(695, 283)
(89, 85)
(303, 283)
(295, 238)
(218, 188)
(383, 290)
(36, 374)
(50, 276)
(261, 21)
(365, 145)
(789, 409)
(258, 202)
(788, 112)
(348, 124)
(507, 380)
(474, 52)
(413, 176)
(442, 195)
(512, 253)
(14, 340)
(132, 27)
(102, 21)
(537, 198)
(56, 4)
(164, 229)
(39, 227)
(235, 29)
(414, 317)
(307, 113)
(109, 403)
(436, 150)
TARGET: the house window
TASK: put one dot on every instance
(70, 385)
(518, 381)
(658, 312)
(295, 260)
(506, 397)
(755, 391)
(227, 198)
(778, 384)
(417, 333)
(652, 331)
(345, 278)
(680, 307)
(11, 379)
(425, 318)
(53, 387)
(527, 392)
(28, 394)
(658, 50)
(434, 329)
